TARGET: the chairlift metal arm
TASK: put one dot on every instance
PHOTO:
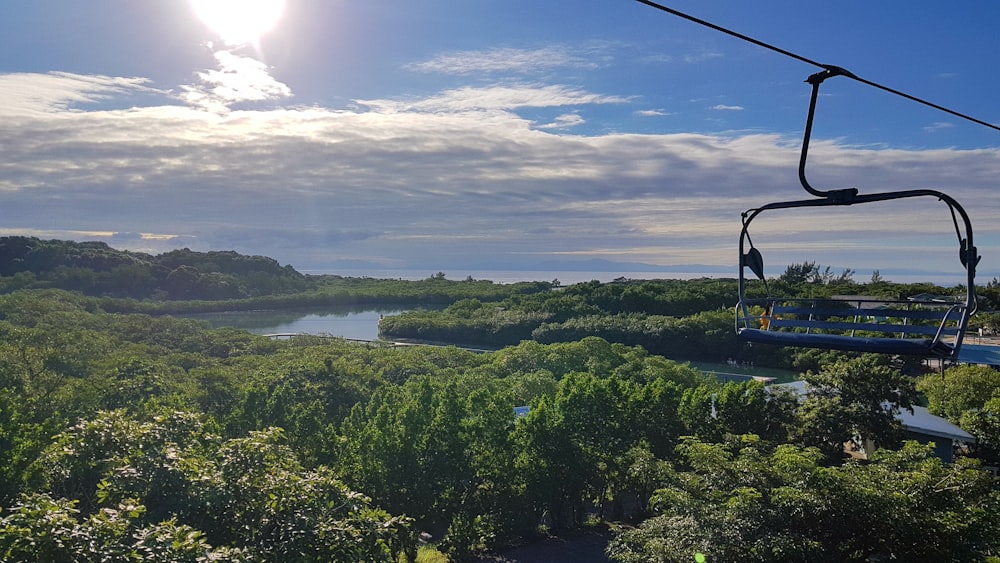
(846, 194)
(850, 196)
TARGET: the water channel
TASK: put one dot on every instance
(354, 322)
(361, 323)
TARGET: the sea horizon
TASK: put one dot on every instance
(569, 277)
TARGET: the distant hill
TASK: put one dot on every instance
(95, 268)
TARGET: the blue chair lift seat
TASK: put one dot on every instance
(929, 329)
(927, 347)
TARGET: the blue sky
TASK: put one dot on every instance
(457, 134)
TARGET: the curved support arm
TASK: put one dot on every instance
(843, 195)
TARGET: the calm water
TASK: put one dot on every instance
(349, 322)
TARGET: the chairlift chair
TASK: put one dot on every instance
(932, 329)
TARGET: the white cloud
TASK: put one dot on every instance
(938, 126)
(701, 57)
(458, 176)
(26, 93)
(496, 97)
(723, 107)
(503, 60)
(657, 58)
(237, 79)
(652, 113)
(564, 121)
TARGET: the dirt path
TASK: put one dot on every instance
(578, 547)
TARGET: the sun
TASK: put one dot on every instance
(239, 22)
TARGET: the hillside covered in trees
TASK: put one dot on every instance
(188, 281)
(130, 437)
(94, 268)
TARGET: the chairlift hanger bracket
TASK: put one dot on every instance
(968, 254)
(846, 195)
(906, 328)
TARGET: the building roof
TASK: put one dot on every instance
(924, 422)
(979, 354)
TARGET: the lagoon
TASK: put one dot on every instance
(361, 323)
(354, 322)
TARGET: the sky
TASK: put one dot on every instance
(464, 135)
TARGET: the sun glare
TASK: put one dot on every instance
(239, 22)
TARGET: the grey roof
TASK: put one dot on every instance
(926, 423)
(979, 354)
(798, 386)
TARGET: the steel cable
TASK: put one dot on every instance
(807, 60)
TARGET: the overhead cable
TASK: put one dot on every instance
(807, 60)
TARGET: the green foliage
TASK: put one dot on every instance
(632, 313)
(800, 273)
(169, 489)
(711, 411)
(857, 396)
(129, 437)
(425, 450)
(699, 336)
(23, 436)
(187, 281)
(95, 268)
(42, 528)
(428, 554)
(809, 272)
(465, 322)
(960, 389)
(580, 449)
(740, 501)
(970, 397)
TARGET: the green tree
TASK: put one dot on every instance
(970, 397)
(698, 412)
(858, 396)
(496, 494)
(751, 408)
(187, 487)
(549, 463)
(959, 390)
(741, 501)
(805, 272)
(594, 418)
(41, 528)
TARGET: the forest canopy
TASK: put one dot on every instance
(131, 437)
